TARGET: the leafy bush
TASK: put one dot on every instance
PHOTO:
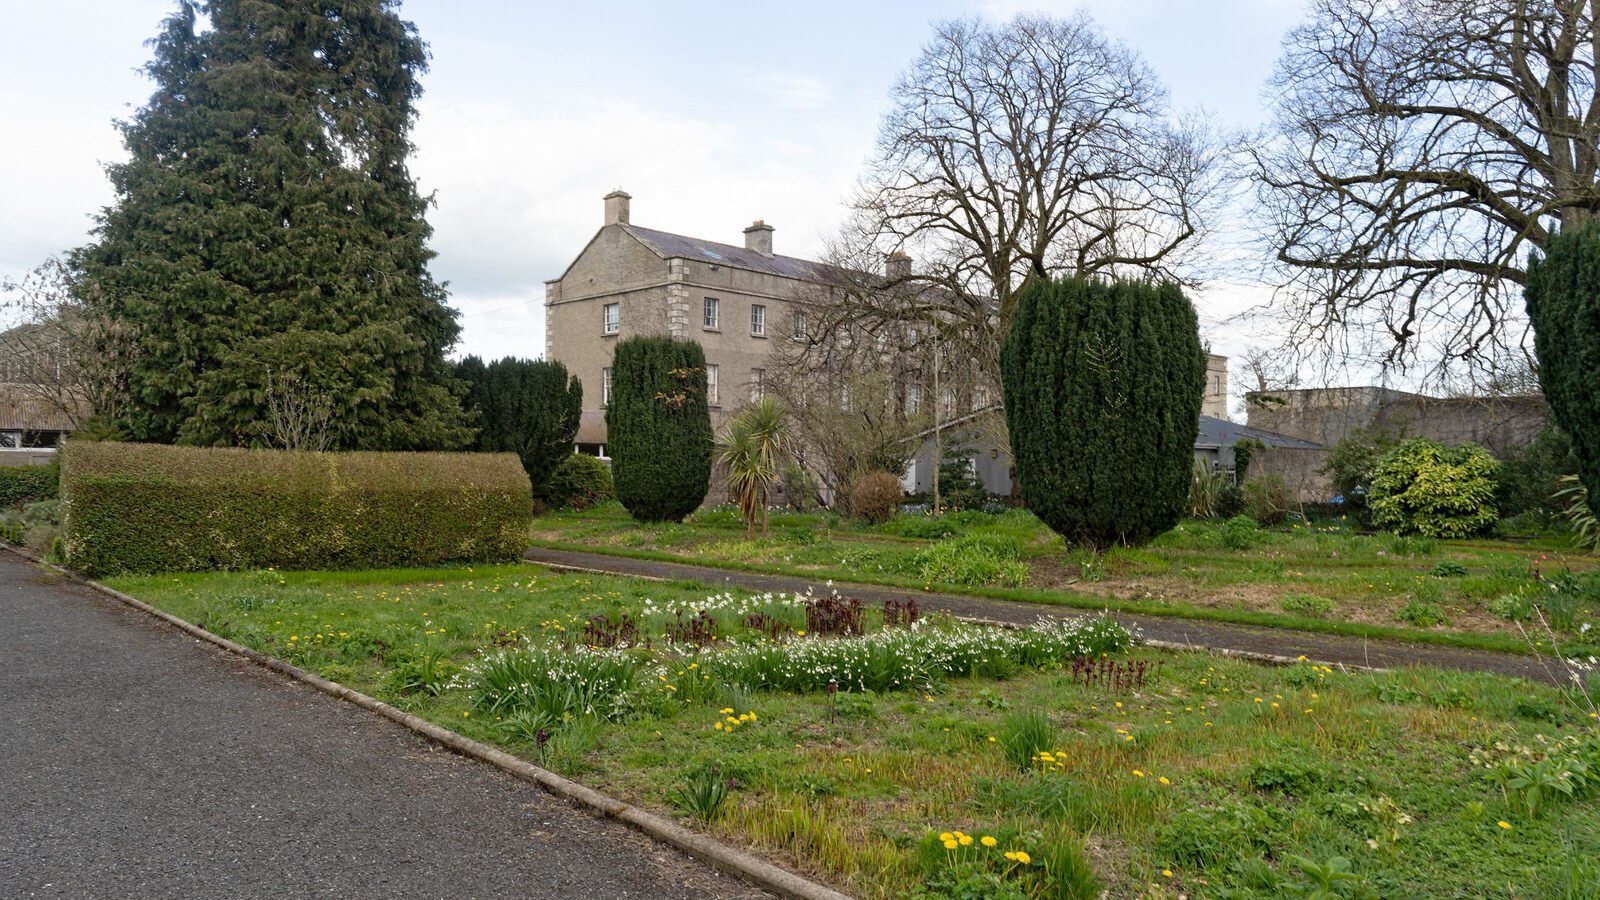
(1239, 533)
(527, 407)
(579, 482)
(1267, 499)
(876, 497)
(1420, 613)
(1514, 606)
(1566, 594)
(157, 508)
(1426, 488)
(1531, 475)
(978, 559)
(1351, 465)
(1448, 568)
(659, 427)
(21, 485)
(1306, 605)
(1103, 382)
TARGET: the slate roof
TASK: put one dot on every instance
(669, 245)
(1216, 433)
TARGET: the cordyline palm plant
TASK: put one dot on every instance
(749, 448)
(1580, 515)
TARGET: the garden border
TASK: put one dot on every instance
(728, 859)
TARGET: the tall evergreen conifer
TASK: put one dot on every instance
(1563, 296)
(527, 407)
(658, 427)
(267, 244)
(1103, 383)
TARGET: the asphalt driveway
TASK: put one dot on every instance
(136, 761)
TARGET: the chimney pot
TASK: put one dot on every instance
(897, 266)
(758, 237)
(617, 207)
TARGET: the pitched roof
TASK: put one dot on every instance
(1217, 433)
(668, 245)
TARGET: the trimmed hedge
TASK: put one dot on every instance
(21, 485)
(158, 508)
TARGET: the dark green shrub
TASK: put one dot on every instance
(659, 427)
(1103, 382)
(1267, 499)
(526, 407)
(1351, 465)
(1563, 296)
(1425, 488)
(155, 508)
(1230, 502)
(1448, 568)
(1239, 533)
(876, 497)
(581, 481)
(21, 485)
(1531, 476)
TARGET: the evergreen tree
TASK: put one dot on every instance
(267, 246)
(1103, 383)
(1563, 296)
(659, 427)
(526, 407)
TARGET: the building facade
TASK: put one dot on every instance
(736, 301)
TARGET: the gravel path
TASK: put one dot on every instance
(136, 761)
(1208, 635)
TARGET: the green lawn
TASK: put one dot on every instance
(1324, 577)
(1216, 771)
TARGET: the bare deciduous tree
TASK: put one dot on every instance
(299, 417)
(1421, 150)
(1037, 146)
(59, 353)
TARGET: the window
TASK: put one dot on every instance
(613, 319)
(758, 320)
(800, 325)
(947, 403)
(758, 384)
(605, 386)
(913, 398)
(712, 396)
(711, 313)
(980, 397)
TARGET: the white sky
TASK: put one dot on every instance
(709, 114)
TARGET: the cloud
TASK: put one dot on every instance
(790, 90)
(519, 190)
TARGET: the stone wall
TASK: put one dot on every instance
(1328, 415)
(1298, 467)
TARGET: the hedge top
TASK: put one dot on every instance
(240, 467)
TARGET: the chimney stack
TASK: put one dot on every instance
(758, 237)
(897, 266)
(617, 207)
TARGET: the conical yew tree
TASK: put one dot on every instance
(658, 427)
(1103, 383)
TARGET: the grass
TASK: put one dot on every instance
(1217, 771)
(1364, 585)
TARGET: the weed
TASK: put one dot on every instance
(1306, 605)
(1239, 533)
(703, 794)
(1324, 880)
(976, 559)
(1515, 606)
(1448, 568)
(1420, 613)
(1207, 835)
(1024, 734)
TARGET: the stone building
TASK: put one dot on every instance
(737, 301)
(630, 280)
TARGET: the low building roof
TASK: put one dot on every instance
(1217, 433)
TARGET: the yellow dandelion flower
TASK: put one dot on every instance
(1011, 855)
(1163, 780)
(1504, 824)
(1023, 857)
(946, 836)
(718, 726)
(1168, 872)
(966, 839)
(950, 845)
(727, 710)
(987, 841)
(1138, 774)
